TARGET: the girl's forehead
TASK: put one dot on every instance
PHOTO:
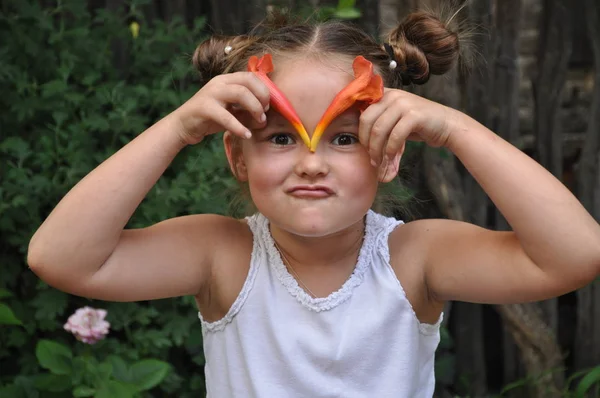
(295, 67)
(311, 84)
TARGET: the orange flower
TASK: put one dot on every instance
(366, 88)
(261, 67)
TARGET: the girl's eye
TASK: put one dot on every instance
(281, 139)
(344, 139)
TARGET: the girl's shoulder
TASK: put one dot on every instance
(408, 246)
(231, 241)
(232, 251)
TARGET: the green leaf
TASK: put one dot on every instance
(25, 387)
(148, 373)
(588, 381)
(7, 317)
(59, 117)
(84, 391)
(53, 383)
(91, 78)
(55, 357)
(119, 368)
(346, 4)
(114, 389)
(16, 146)
(49, 304)
(515, 385)
(104, 370)
(53, 87)
(10, 391)
(347, 13)
(5, 293)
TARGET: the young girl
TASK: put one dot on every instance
(316, 295)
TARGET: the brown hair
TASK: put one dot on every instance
(421, 45)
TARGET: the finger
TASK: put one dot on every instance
(384, 170)
(252, 83)
(380, 133)
(367, 120)
(248, 120)
(229, 122)
(400, 133)
(241, 96)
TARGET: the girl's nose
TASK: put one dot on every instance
(312, 164)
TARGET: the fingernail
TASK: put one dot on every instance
(263, 118)
(373, 163)
(267, 107)
(248, 134)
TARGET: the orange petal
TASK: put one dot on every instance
(262, 65)
(279, 101)
(366, 88)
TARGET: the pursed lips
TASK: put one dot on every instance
(310, 191)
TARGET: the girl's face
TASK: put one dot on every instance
(309, 193)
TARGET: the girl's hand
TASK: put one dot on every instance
(218, 105)
(399, 116)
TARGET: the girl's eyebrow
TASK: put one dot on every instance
(278, 121)
(349, 119)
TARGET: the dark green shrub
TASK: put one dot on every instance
(65, 108)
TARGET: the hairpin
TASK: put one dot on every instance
(390, 51)
(404, 76)
(228, 49)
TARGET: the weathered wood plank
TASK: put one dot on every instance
(477, 101)
(233, 17)
(587, 347)
(506, 73)
(369, 20)
(554, 51)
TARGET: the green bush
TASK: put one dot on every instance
(66, 108)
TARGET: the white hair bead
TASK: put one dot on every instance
(228, 49)
(393, 64)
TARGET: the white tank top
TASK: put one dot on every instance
(363, 340)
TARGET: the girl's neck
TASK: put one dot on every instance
(321, 252)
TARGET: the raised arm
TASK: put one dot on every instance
(555, 243)
(82, 247)
(554, 246)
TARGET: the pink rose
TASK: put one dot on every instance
(88, 325)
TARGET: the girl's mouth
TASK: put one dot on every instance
(310, 191)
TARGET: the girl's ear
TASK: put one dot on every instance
(389, 170)
(235, 157)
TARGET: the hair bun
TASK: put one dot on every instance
(423, 45)
(217, 54)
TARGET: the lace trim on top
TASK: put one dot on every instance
(319, 304)
(256, 259)
(388, 225)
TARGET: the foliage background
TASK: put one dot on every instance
(67, 104)
(65, 109)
